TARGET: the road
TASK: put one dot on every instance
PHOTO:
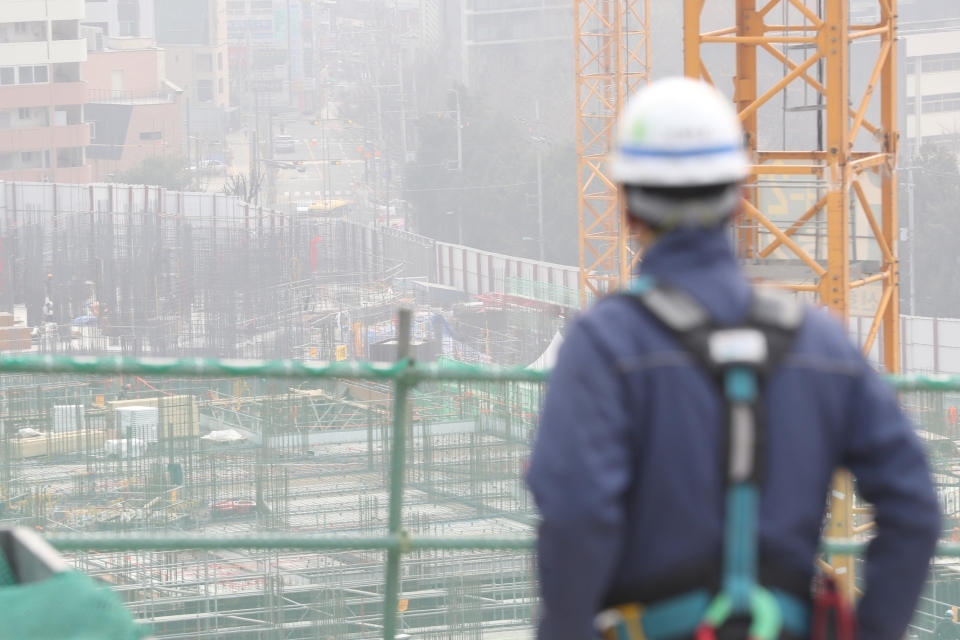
(318, 146)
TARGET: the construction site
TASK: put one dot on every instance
(230, 456)
(95, 270)
(288, 457)
(142, 271)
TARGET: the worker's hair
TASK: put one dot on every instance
(697, 192)
(666, 208)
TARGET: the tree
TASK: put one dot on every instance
(494, 196)
(239, 186)
(164, 171)
(937, 229)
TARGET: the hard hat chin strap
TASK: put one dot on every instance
(679, 209)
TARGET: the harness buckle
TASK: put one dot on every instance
(766, 620)
(621, 622)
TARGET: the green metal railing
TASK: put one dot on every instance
(403, 374)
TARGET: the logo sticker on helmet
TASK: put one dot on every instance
(639, 130)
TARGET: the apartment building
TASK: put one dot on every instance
(493, 31)
(193, 35)
(932, 72)
(121, 18)
(135, 111)
(42, 92)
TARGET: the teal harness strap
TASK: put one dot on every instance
(740, 548)
(681, 615)
(741, 593)
(740, 537)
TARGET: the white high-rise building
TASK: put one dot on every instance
(933, 73)
(42, 92)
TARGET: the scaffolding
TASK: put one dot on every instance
(315, 458)
(144, 272)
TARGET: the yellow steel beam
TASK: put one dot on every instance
(796, 226)
(836, 168)
(612, 58)
(889, 146)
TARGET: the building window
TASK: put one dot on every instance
(220, 62)
(93, 131)
(25, 75)
(934, 64)
(220, 85)
(941, 102)
(20, 27)
(70, 157)
(261, 6)
(128, 11)
(236, 6)
(204, 62)
(24, 113)
(204, 90)
(30, 160)
(151, 135)
(24, 160)
(937, 103)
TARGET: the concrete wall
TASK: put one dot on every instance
(927, 345)
(140, 124)
(478, 272)
(140, 68)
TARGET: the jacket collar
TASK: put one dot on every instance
(702, 263)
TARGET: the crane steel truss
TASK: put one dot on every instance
(825, 34)
(612, 61)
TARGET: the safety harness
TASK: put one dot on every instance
(739, 360)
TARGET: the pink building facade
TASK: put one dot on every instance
(43, 132)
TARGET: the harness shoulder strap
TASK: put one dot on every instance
(780, 317)
(772, 313)
(739, 359)
(681, 314)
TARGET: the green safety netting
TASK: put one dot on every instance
(65, 606)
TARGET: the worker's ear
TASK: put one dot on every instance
(638, 229)
(644, 233)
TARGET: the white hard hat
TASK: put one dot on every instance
(679, 132)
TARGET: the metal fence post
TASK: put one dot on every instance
(398, 459)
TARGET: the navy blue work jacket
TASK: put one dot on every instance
(626, 467)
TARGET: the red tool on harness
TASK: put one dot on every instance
(832, 618)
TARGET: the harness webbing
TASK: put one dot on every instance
(739, 360)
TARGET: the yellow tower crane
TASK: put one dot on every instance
(853, 175)
(612, 61)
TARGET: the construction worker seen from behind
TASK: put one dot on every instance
(693, 423)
